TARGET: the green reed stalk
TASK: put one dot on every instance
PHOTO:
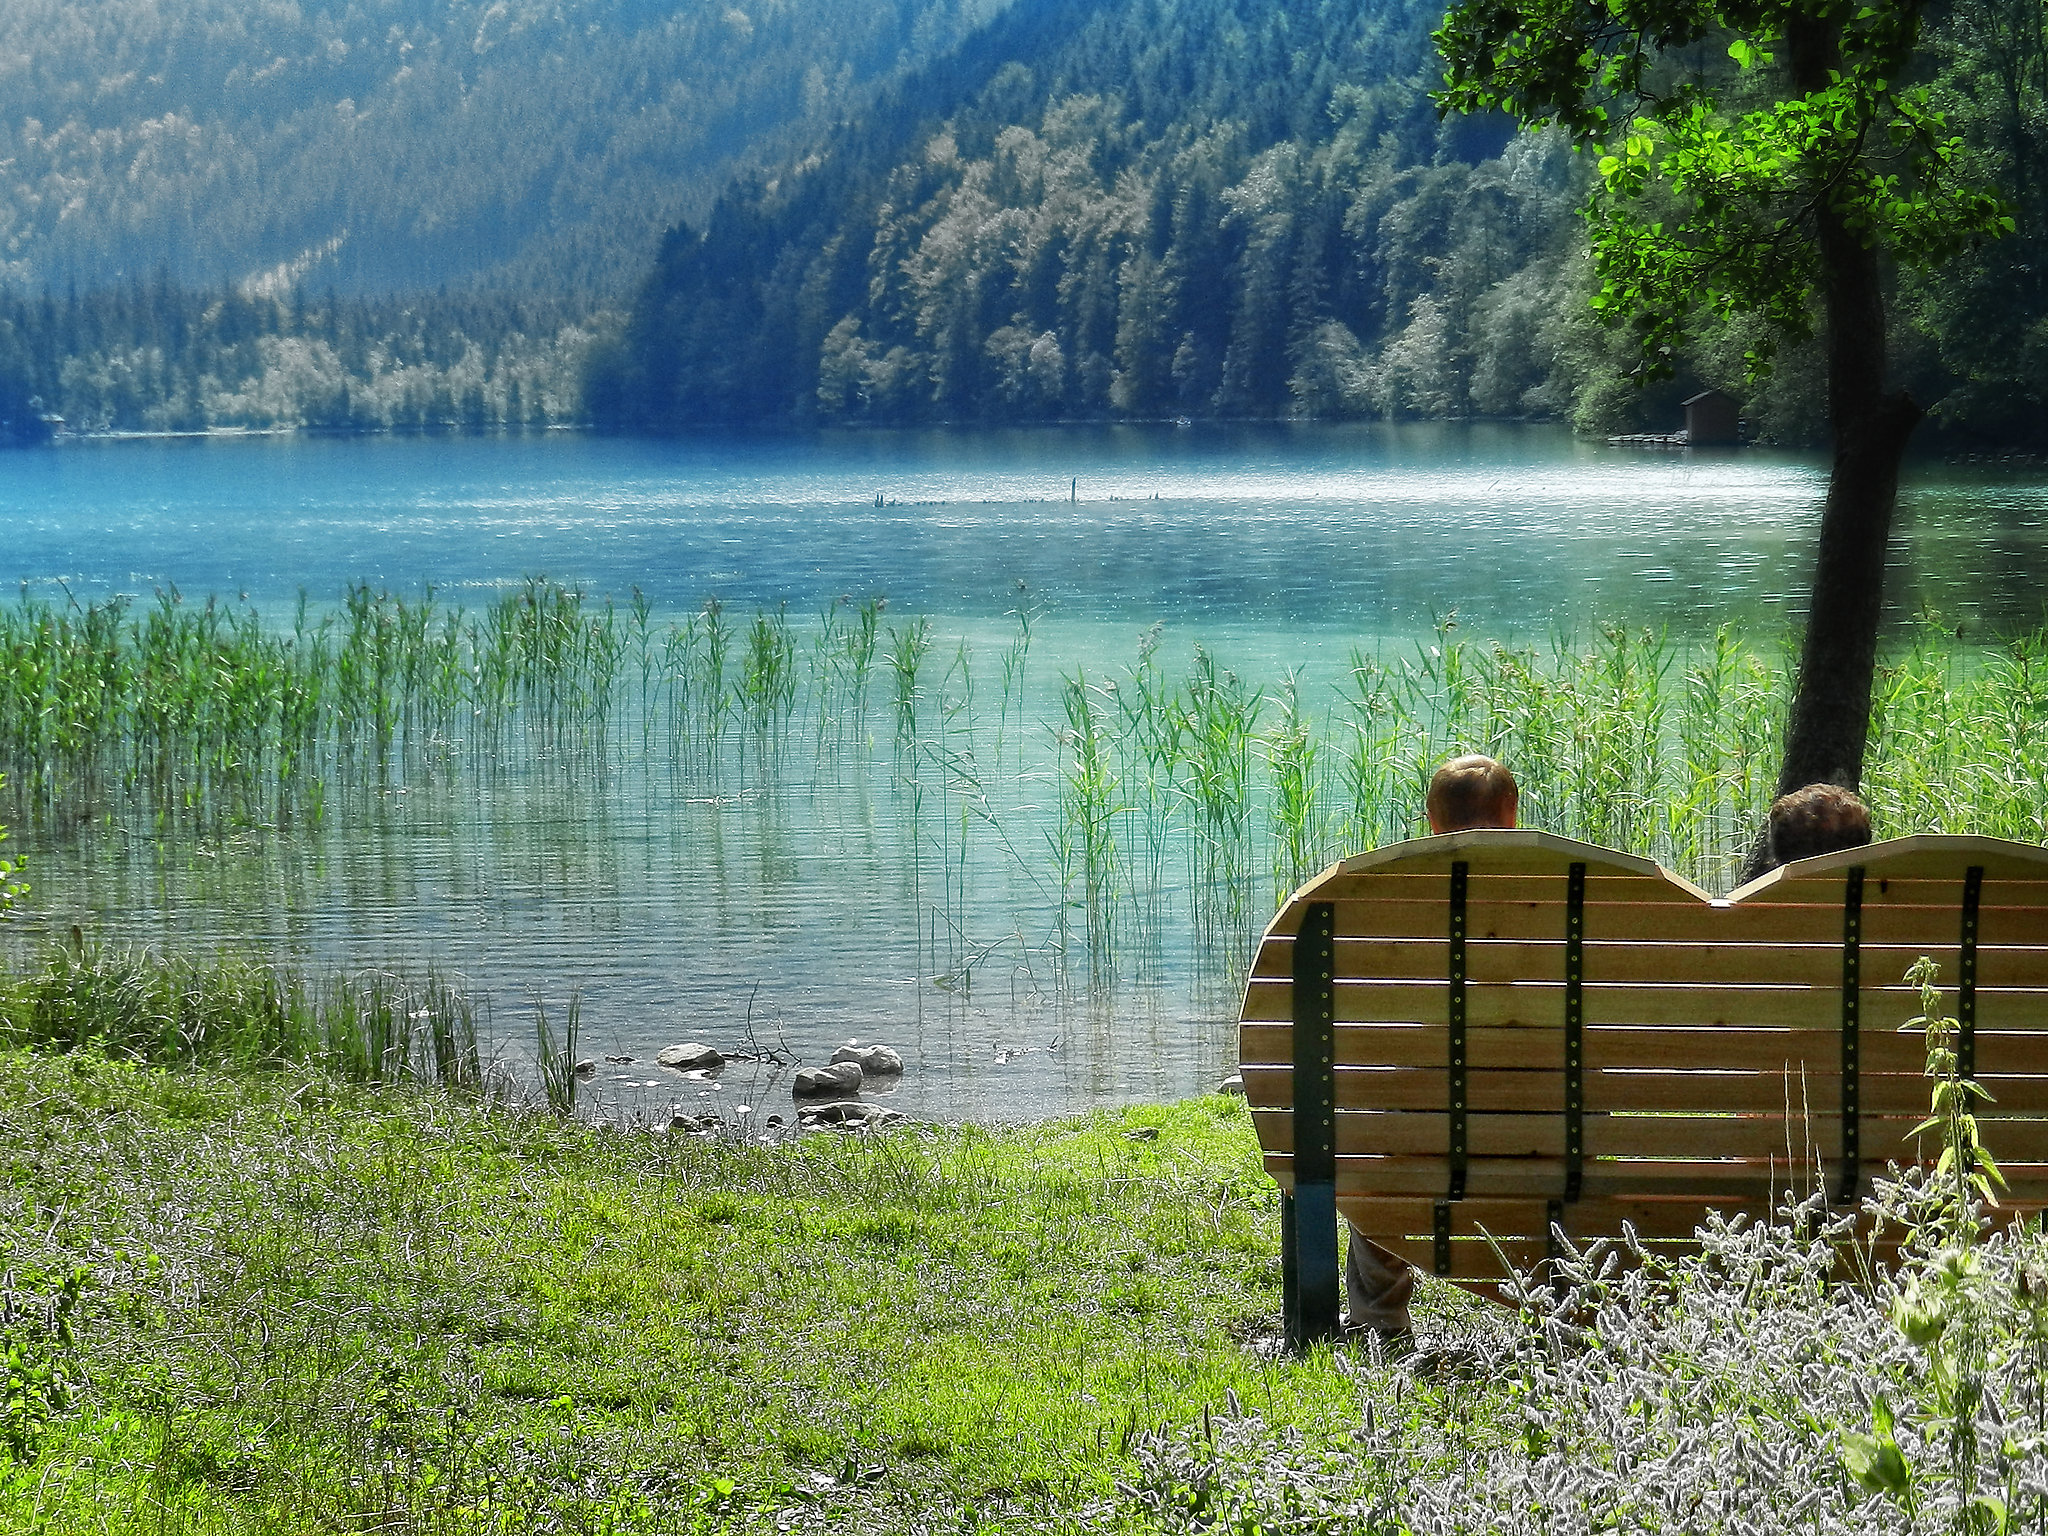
(908, 647)
(1291, 754)
(555, 1056)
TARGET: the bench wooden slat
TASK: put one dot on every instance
(2012, 1053)
(1476, 1262)
(1707, 1181)
(1883, 925)
(1526, 850)
(1651, 1136)
(1540, 1004)
(1924, 855)
(1408, 1217)
(1504, 960)
(1534, 1090)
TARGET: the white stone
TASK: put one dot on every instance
(848, 1114)
(817, 1082)
(690, 1058)
(874, 1060)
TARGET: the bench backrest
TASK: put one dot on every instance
(1471, 1038)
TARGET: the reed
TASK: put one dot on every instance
(177, 719)
(1152, 731)
(908, 647)
(1222, 718)
(373, 1026)
(1298, 844)
(554, 1054)
(1089, 806)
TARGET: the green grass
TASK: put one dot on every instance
(315, 1306)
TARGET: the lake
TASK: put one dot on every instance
(892, 855)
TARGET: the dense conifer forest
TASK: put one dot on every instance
(1114, 208)
(393, 215)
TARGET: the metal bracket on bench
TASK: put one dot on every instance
(1440, 1229)
(1574, 1032)
(1310, 1280)
(1852, 1044)
(1460, 874)
(1966, 975)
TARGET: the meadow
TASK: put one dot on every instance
(274, 1300)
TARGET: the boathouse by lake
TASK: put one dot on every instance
(1713, 420)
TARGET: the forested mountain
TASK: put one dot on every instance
(385, 145)
(1249, 208)
(424, 213)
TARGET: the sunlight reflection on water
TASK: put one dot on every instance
(813, 892)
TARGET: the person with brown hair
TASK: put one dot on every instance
(1472, 791)
(1465, 794)
(1821, 818)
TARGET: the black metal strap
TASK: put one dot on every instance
(1852, 1042)
(1966, 975)
(1575, 1032)
(1309, 1244)
(1315, 1045)
(1460, 876)
(1440, 1222)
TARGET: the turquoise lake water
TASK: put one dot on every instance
(870, 890)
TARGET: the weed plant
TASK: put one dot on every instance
(1745, 1388)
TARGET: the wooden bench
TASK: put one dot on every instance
(1470, 1043)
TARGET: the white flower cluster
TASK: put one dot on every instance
(1745, 1387)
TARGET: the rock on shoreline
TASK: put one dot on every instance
(873, 1060)
(841, 1077)
(692, 1057)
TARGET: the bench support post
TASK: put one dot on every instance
(1308, 1217)
(1308, 1260)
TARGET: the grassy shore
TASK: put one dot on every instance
(314, 1306)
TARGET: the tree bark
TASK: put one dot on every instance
(1828, 726)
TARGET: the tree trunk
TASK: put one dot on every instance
(1829, 723)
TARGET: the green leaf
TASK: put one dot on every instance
(1876, 1462)
(1987, 1514)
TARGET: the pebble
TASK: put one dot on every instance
(874, 1060)
(1143, 1133)
(839, 1077)
(693, 1124)
(849, 1114)
(690, 1058)
(587, 1067)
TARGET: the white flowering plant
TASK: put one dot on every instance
(1743, 1387)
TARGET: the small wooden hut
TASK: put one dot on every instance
(1713, 420)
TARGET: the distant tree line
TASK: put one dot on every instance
(154, 357)
(1142, 208)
